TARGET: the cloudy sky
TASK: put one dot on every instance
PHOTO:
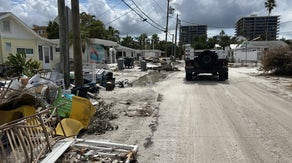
(127, 15)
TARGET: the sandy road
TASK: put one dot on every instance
(210, 121)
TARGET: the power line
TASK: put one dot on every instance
(118, 17)
(134, 10)
(144, 19)
(290, 21)
(221, 27)
(158, 5)
(286, 32)
(111, 8)
(146, 14)
(188, 22)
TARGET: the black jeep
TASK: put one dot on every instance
(206, 61)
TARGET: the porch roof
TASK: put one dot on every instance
(103, 42)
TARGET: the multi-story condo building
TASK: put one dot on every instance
(258, 27)
(187, 33)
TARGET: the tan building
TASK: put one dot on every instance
(41, 30)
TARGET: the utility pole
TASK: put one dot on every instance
(64, 42)
(172, 47)
(66, 57)
(62, 31)
(166, 27)
(78, 74)
(175, 38)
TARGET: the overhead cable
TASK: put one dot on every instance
(159, 6)
(118, 17)
(146, 14)
(140, 15)
(111, 8)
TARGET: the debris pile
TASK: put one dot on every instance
(144, 110)
(46, 92)
(123, 83)
(75, 154)
(100, 122)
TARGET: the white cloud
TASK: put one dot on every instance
(217, 14)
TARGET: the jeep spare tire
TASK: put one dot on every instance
(207, 58)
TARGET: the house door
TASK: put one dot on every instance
(46, 57)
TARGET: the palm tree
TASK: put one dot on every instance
(112, 34)
(90, 27)
(270, 5)
(128, 41)
(142, 40)
(155, 40)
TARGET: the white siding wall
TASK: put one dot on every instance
(17, 31)
(240, 55)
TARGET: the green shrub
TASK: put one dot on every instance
(278, 60)
(18, 65)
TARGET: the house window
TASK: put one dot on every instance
(20, 50)
(40, 48)
(8, 46)
(41, 31)
(51, 53)
(27, 51)
(57, 50)
(6, 26)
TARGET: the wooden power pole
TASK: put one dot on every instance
(78, 74)
(64, 42)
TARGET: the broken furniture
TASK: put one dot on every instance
(27, 139)
(96, 151)
(81, 113)
(33, 139)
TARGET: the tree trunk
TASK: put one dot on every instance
(77, 43)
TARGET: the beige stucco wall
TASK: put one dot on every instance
(31, 44)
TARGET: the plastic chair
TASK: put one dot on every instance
(82, 111)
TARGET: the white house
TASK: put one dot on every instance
(123, 51)
(151, 53)
(16, 36)
(104, 51)
(251, 51)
